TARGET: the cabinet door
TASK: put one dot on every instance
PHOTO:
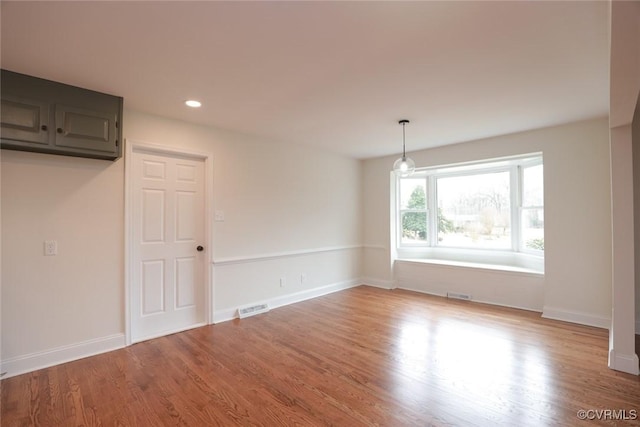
(24, 120)
(84, 129)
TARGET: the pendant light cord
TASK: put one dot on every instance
(404, 166)
(404, 155)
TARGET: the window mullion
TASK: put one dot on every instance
(516, 209)
(432, 211)
(398, 213)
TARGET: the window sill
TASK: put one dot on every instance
(508, 261)
(473, 265)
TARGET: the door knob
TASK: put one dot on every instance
(200, 249)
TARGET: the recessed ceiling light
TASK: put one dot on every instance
(193, 103)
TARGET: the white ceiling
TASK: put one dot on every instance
(336, 75)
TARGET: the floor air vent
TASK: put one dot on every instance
(455, 295)
(252, 310)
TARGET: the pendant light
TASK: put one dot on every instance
(404, 166)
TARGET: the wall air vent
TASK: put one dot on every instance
(252, 310)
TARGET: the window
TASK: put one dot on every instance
(532, 209)
(497, 205)
(474, 210)
(413, 211)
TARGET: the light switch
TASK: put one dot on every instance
(50, 247)
(218, 216)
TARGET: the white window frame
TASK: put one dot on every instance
(522, 247)
(514, 165)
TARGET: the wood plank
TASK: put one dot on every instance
(364, 356)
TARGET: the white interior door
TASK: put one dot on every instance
(168, 238)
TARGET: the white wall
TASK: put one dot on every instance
(288, 210)
(76, 296)
(577, 282)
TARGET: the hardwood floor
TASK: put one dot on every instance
(364, 356)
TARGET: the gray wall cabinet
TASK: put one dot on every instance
(49, 117)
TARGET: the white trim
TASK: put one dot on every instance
(209, 237)
(469, 167)
(139, 146)
(277, 255)
(225, 315)
(375, 247)
(313, 293)
(128, 238)
(578, 317)
(232, 313)
(67, 353)
(432, 213)
(516, 187)
(163, 150)
(473, 300)
(518, 307)
(624, 362)
(377, 283)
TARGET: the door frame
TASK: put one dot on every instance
(131, 146)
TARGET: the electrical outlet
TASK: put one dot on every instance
(50, 247)
(283, 282)
(303, 278)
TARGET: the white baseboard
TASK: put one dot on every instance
(232, 313)
(581, 318)
(624, 362)
(313, 293)
(517, 307)
(479, 301)
(377, 283)
(225, 315)
(44, 359)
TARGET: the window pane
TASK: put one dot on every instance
(532, 186)
(414, 227)
(474, 211)
(533, 228)
(413, 194)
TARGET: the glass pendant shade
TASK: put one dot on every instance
(404, 166)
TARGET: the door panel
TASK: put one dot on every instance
(152, 287)
(168, 225)
(186, 173)
(185, 206)
(153, 170)
(185, 282)
(153, 208)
